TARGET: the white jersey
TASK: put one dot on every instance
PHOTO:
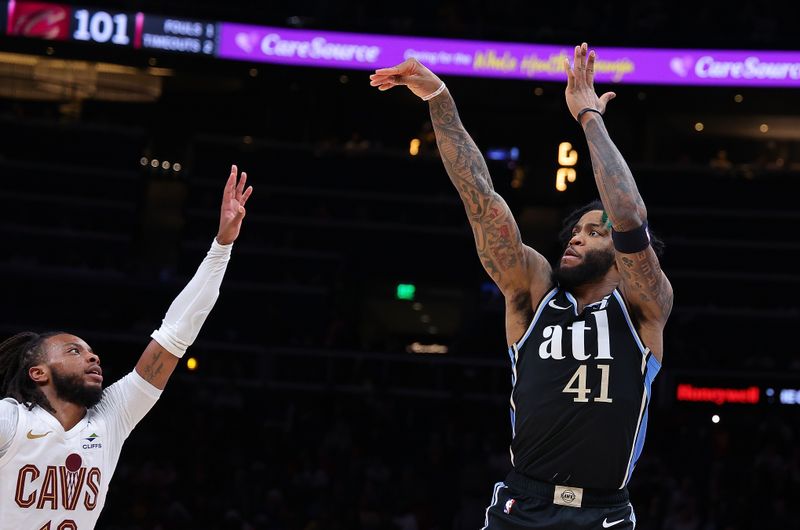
(52, 479)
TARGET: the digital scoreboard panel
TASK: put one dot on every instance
(175, 34)
(39, 20)
(102, 26)
(360, 51)
(61, 22)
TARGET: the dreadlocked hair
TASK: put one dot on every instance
(572, 219)
(17, 355)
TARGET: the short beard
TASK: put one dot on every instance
(595, 265)
(72, 389)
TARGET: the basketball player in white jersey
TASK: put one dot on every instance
(61, 433)
(584, 336)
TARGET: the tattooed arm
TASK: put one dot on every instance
(189, 310)
(643, 283)
(521, 273)
(512, 265)
(156, 365)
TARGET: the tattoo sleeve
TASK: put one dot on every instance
(647, 288)
(615, 183)
(497, 236)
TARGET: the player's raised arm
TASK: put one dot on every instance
(646, 287)
(516, 268)
(188, 311)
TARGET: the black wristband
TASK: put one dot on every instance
(632, 241)
(584, 111)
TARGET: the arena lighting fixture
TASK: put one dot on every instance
(405, 291)
(413, 148)
(699, 126)
(191, 363)
(510, 154)
(790, 396)
(715, 418)
(163, 164)
(418, 347)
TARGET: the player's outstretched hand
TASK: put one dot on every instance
(232, 211)
(411, 73)
(580, 92)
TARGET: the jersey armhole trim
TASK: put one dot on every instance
(642, 348)
(549, 296)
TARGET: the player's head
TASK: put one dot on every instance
(31, 362)
(588, 249)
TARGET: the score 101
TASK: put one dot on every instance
(567, 160)
(102, 26)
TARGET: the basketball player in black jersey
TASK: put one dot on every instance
(585, 336)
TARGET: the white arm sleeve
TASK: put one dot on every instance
(9, 414)
(126, 402)
(189, 310)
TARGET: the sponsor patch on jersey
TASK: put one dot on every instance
(92, 444)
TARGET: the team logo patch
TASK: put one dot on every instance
(568, 496)
(73, 462)
(509, 504)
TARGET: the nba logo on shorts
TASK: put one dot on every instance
(509, 505)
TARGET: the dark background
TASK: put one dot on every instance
(307, 411)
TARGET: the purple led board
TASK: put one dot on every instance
(507, 60)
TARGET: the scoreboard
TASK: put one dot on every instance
(175, 34)
(61, 22)
(102, 27)
(234, 41)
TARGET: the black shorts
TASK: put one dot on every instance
(521, 503)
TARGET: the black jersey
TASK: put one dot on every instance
(581, 386)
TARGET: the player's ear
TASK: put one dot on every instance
(39, 373)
